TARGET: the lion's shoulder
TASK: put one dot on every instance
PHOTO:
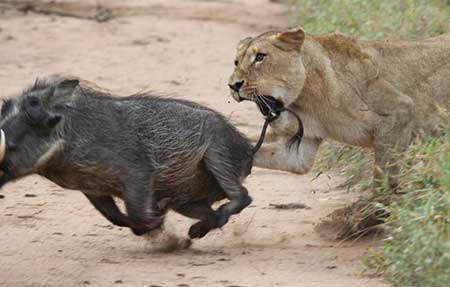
(342, 45)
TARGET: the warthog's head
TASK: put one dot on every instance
(31, 129)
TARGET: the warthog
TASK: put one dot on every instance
(154, 153)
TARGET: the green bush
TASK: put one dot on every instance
(375, 19)
(416, 251)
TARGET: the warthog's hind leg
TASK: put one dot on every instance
(228, 177)
(209, 219)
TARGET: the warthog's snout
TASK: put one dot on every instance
(2, 146)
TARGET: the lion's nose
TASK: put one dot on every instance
(236, 86)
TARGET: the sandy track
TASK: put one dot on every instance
(53, 237)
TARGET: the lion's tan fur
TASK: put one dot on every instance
(367, 93)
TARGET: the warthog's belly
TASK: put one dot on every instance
(89, 182)
(198, 187)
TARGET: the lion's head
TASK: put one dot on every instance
(269, 65)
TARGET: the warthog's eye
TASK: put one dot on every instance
(33, 111)
(34, 102)
(259, 57)
(236, 62)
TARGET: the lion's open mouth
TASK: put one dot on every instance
(271, 109)
(269, 106)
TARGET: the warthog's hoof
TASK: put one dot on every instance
(143, 228)
(222, 219)
(199, 230)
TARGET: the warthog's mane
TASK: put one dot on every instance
(87, 91)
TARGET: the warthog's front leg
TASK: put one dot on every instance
(109, 209)
(280, 156)
(144, 215)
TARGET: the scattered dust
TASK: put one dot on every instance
(166, 240)
(242, 237)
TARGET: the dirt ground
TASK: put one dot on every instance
(54, 237)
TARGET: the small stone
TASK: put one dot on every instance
(224, 259)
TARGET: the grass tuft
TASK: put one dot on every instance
(416, 251)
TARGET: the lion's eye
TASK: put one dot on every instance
(236, 62)
(259, 57)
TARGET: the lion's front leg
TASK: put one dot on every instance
(389, 147)
(280, 157)
(393, 133)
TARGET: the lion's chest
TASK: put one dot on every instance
(287, 124)
(352, 133)
(349, 131)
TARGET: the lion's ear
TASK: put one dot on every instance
(244, 43)
(290, 40)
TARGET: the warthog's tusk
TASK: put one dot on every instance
(2, 145)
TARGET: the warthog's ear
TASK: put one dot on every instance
(66, 87)
(290, 40)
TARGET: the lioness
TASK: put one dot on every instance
(367, 93)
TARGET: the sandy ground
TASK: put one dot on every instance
(54, 237)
